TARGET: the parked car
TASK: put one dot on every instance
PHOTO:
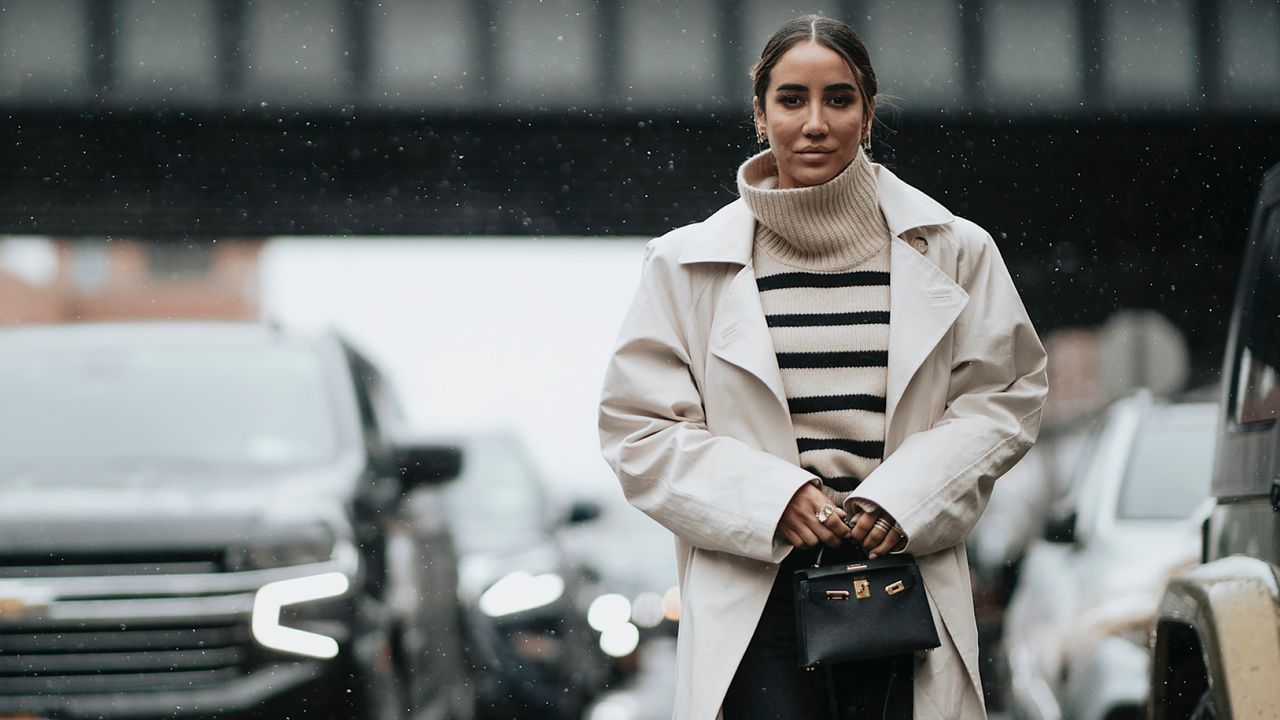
(1077, 627)
(201, 519)
(525, 595)
(1217, 644)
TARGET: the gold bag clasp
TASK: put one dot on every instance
(837, 594)
(895, 588)
(862, 589)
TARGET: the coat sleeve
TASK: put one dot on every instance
(936, 484)
(713, 491)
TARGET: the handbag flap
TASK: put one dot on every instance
(889, 562)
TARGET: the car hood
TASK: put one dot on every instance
(171, 509)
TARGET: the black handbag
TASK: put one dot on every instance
(860, 609)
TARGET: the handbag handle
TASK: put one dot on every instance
(817, 562)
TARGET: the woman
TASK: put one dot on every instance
(833, 358)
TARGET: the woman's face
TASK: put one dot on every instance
(814, 115)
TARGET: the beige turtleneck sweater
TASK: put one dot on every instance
(821, 258)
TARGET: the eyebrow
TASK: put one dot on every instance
(796, 87)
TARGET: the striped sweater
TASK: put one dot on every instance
(821, 258)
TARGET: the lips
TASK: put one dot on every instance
(814, 157)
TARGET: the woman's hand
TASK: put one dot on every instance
(807, 520)
(877, 532)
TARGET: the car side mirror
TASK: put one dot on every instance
(582, 511)
(1061, 529)
(421, 465)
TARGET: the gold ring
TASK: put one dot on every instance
(824, 513)
(884, 525)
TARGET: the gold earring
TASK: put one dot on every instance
(761, 136)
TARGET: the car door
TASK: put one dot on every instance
(1247, 470)
(419, 563)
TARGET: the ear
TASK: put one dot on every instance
(761, 126)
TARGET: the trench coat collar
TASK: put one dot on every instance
(727, 235)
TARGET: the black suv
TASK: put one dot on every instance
(201, 519)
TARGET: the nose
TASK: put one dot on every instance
(815, 121)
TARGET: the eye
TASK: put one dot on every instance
(790, 100)
(842, 101)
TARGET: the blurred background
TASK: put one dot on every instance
(461, 190)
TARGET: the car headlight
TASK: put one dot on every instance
(273, 597)
(519, 591)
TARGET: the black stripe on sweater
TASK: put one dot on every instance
(831, 403)
(858, 358)
(857, 278)
(872, 317)
(861, 448)
(844, 483)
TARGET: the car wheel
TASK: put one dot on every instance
(1205, 709)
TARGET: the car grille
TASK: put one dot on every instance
(54, 565)
(121, 658)
(145, 628)
(116, 623)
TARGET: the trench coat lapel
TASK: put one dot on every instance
(923, 300)
(923, 303)
(739, 333)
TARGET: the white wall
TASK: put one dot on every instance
(476, 334)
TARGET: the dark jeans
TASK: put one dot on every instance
(769, 686)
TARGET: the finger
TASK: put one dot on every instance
(807, 538)
(875, 537)
(824, 534)
(891, 541)
(863, 525)
(792, 538)
(841, 530)
(835, 524)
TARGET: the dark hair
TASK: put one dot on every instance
(831, 34)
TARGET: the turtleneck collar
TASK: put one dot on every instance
(831, 226)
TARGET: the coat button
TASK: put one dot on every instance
(920, 244)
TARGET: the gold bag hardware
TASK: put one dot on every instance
(837, 594)
(855, 566)
(895, 588)
(862, 588)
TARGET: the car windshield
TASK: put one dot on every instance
(1171, 463)
(130, 408)
(497, 477)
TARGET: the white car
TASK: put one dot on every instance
(1078, 626)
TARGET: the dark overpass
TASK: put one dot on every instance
(1112, 148)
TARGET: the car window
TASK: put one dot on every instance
(1258, 374)
(1171, 463)
(499, 494)
(117, 407)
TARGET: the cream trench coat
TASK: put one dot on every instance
(694, 421)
